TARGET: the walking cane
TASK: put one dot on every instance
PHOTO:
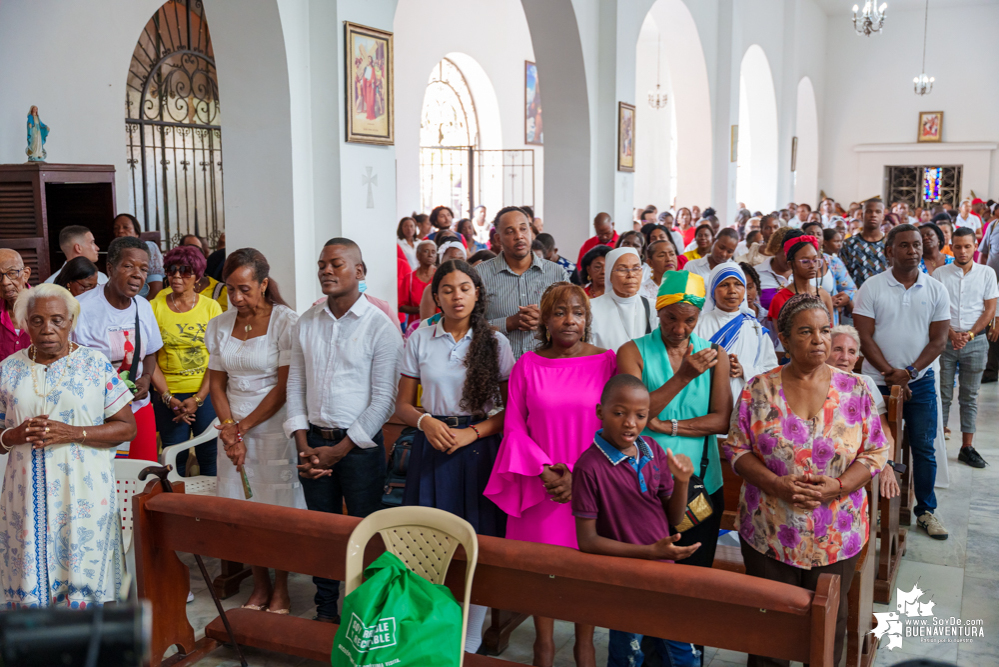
(162, 472)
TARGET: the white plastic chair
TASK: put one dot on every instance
(202, 485)
(425, 539)
(127, 484)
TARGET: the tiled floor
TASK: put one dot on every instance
(960, 575)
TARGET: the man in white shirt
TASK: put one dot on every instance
(903, 317)
(76, 241)
(341, 390)
(965, 218)
(973, 292)
(801, 216)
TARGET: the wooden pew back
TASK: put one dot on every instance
(675, 601)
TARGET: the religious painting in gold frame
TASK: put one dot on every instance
(370, 84)
(930, 126)
(625, 136)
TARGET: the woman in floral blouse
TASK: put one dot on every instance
(803, 510)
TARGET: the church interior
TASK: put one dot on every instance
(280, 124)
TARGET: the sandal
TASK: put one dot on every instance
(255, 607)
(279, 612)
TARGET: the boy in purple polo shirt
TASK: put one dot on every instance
(625, 495)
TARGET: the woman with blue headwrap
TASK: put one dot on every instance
(728, 322)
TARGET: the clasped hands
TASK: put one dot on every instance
(806, 491)
(445, 439)
(319, 461)
(185, 410)
(41, 432)
(900, 377)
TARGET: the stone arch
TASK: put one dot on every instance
(806, 175)
(685, 76)
(756, 179)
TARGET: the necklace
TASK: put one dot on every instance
(173, 299)
(55, 383)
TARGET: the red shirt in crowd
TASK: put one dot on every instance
(591, 243)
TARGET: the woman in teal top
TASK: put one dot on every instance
(689, 402)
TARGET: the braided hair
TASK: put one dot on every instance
(482, 371)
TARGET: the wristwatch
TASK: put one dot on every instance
(911, 370)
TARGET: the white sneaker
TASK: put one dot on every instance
(190, 597)
(932, 526)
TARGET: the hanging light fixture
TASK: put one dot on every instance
(871, 20)
(923, 84)
(657, 98)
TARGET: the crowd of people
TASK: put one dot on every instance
(676, 346)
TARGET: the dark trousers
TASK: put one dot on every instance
(759, 565)
(359, 480)
(920, 415)
(174, 433)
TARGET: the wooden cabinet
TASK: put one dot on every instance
(37, 200)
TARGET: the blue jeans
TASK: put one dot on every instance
(174, 433)
(624, 650)
(359, 480)
(920, 415)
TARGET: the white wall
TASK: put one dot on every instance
(869, 96)
(806, 177)
(489, 41)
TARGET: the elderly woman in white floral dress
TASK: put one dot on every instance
(63, 411)
(249, 350)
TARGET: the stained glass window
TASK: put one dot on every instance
(448, 110)
(932, 177)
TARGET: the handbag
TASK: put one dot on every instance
(699, 506)
(398, 466)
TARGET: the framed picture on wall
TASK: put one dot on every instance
(930, 126)
(625, 136)
(370, 85)
(534, 129)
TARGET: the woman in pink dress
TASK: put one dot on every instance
(550, 421)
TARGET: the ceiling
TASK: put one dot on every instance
(846, 6)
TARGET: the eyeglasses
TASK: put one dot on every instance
(13, 274)
(806, 261)
(625, 271)
(184, 270)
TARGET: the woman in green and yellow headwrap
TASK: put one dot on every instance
(687, 404)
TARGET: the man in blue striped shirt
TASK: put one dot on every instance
(515, 280)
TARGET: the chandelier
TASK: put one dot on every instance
(871, 20)
(923, 84)
(657, 98)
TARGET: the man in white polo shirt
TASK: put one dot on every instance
(903, 317)
(967, 218)
(972, 290)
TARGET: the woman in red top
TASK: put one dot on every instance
(803, 256)
(412, 286)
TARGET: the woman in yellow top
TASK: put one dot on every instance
(183, 315)
(205, 285)
(703, 239)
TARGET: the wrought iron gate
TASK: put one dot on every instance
(923, 186)
(173, 126)
(463, 177)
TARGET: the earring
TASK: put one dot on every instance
(548, 336)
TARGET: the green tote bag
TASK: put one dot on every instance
(396, 618)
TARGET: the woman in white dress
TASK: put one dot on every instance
(63, 411)
(728, 321)
(407, 238)
(621, 314)
(250, 351)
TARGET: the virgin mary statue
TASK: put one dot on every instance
(37, 132)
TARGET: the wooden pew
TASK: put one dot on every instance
(651, 598)
(890, 534)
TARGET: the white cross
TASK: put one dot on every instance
(370, 180)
